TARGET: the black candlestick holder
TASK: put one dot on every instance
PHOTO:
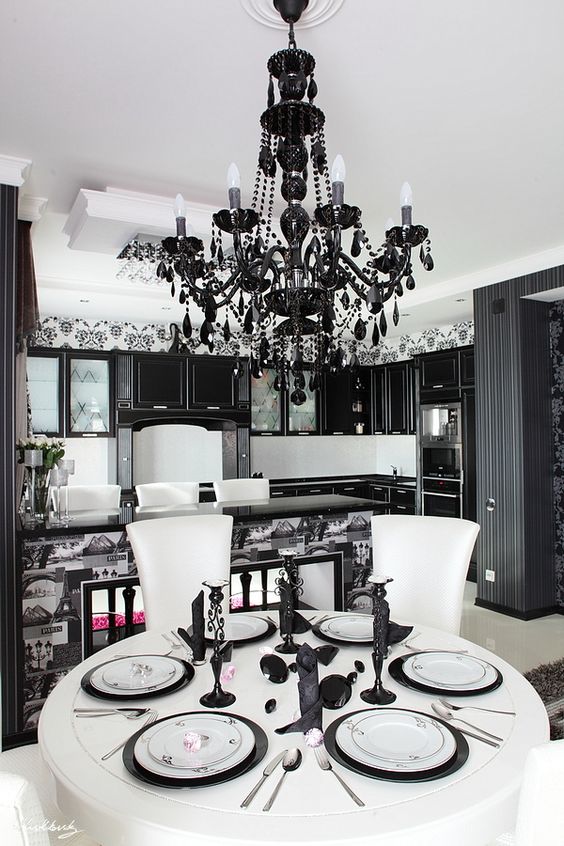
(378, 695)
(217, 698)
(289, 588)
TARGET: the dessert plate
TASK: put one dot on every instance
(445, 672)
(178, 673)
(346, 628)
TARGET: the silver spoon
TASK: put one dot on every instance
(128, 713)
(443, 712)
(474, 708)
(291, 761)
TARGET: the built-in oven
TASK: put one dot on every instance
(442, 498)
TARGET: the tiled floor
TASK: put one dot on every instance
(523, 644)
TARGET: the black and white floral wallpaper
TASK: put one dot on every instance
(557, 353)
(77, 333)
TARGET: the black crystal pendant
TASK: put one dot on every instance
(396, 314)
(211, 309)
(206, 332)
(299, 380)
(357, 242)
(360, 329)
(187, 326)
(410, 283)
(375, 335)
(182, 296)
(374, 299)
(428, 262)
(226, 331)
(383, 324)
(270, 96)
(312, 90)
(298, 397)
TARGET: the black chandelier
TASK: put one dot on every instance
(282, 293)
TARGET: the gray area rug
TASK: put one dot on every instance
(548, 681)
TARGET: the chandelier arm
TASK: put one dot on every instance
(357, 272)
(235, 288)
(244, 268)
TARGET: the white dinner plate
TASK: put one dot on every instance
(141, 672)
(396, 740)
(449, 670)
(348, 627)
(244, 627)
(160, 749)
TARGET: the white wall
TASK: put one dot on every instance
(332, 455)
(94, 460)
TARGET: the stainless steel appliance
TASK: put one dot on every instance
(441, 446)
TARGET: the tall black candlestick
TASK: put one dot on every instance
(378, 695)
(217, 698)
(289, 588)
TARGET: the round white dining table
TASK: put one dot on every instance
(470, 807)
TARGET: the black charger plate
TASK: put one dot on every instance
(89, 688)
(271, 628)
(395, 669)
(451, 766)
(139, 772)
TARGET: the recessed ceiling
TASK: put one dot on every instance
(460, 99)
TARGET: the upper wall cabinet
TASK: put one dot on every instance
(45, 372)
(159, 382)
(442, 374)
(71, 393)
(347, 403)
(394, 399)
(274, 413)
(89, 395)
(216, 382)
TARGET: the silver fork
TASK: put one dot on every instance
(150, 719)
(325, 764)
(474, 708)
(128, 713)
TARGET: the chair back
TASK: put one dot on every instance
(174, 555)
(21, 815)
(428, 559)
(167, 493)
(90, 497)
(540, 816)
(233, 490)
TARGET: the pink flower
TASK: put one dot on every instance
(192, 741)
(313, 737)
(228, 673)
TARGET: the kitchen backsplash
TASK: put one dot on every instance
(332, 455)
(78, 333)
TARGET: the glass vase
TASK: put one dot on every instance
(40, 495)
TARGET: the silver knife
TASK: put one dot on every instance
(478, 737)
(270, 767)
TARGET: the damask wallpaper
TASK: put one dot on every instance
(557, 353)
(156, 337)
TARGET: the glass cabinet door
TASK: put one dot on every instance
(303, 418)
(88, 396)
(266, 404)
(45, 398)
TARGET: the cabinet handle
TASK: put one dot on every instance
(348, 489)
(399, 490)
(437, 386)
(401, 507)
(125, 458)
(160, 406)
(303, 433)
(277, 493)
(265, 433)
(89, 434)
(315, 490)
(338, 433)
(212, 407)
(397, 432)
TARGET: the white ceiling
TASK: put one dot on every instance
(461, 99)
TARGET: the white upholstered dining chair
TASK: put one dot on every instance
(27, 810)
(428, 558)
(174, 555)
(233, 490)
(90, 497)
(540, 814)
(167, 493)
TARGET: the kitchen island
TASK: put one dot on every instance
(62, 568)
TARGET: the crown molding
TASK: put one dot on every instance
(31, 208)
(317, 12)
(105, 221)
(14, 171)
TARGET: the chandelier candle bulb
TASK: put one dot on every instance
(180, 214)
(234, 186)
(406, 203)
(338, 174)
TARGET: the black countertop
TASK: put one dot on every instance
(399, 481)
(242, 512)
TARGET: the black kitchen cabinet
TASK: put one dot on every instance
(159, 382)
(212, 383)
(274, 413)
(393, 399)
(467, 366)
(358, 489)
(347, 403)
(439, 371)
(46, 392)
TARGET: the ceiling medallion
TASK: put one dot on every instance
(317, 12)
(299, 292)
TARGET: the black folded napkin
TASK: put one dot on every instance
(290, 619)
(197, 639)
(396, 633)
(308, 689)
